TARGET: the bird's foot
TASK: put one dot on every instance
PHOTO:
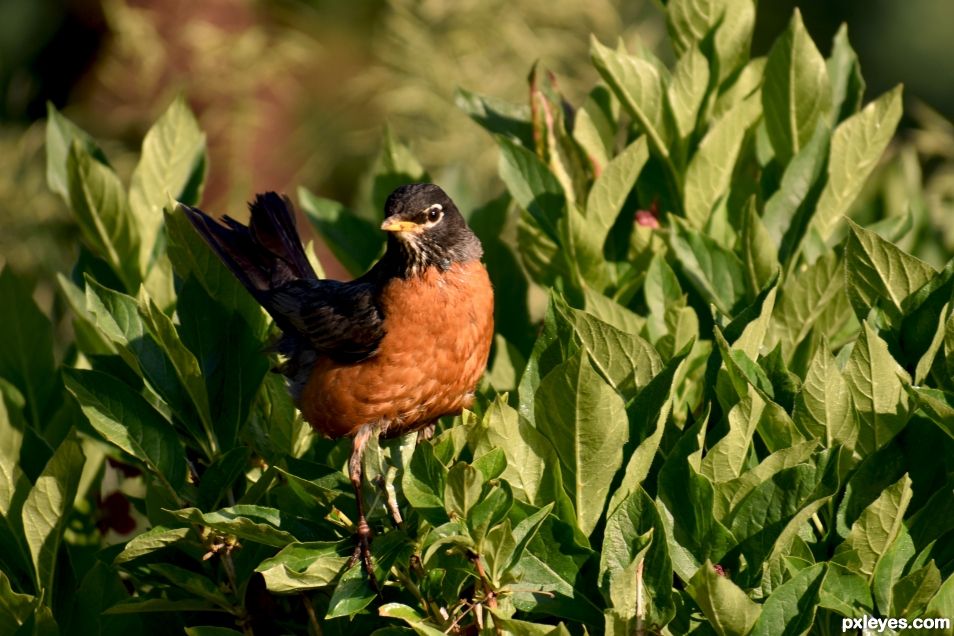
(362, 552)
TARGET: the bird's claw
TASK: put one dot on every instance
(362, 553)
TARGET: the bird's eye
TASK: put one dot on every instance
(434, 213)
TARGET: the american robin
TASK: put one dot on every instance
(387, 353)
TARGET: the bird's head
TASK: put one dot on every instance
(426, 229)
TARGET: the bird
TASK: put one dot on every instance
(385, 354)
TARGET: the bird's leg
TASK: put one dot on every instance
(363, 550)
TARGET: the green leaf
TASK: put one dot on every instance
(192, 256)
(497, 116)
(856, 147)
(424, 484)
(816, 292)
(912, 593)
(585, 419)
(193, 582)
(354, 241)
(155, 538)
(790, 610)
(15, 609)
(823, 407)
(634, 547)
(845, 592)
(125, 419)
(626, 361)
(461, 490)
(716, 273)
(611, 188)
(733, 36)
(937, 404)
(879, 271)
(758, 252)
(639, 86)
(687, 90)
(172, 165)
(875, 530)
(230, 358)
(305, 566)
(877, 390)
(787, 210)
(532, 185)
(61, 133)
(709, 174)
(102, 211)
(211, 631)
(729, 610)
(46, 510)
(26, 348)
(258, 524)
(394, 166)
(891, 567)
(844, 73)
(796, 94)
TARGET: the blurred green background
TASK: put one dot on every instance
(297, 92)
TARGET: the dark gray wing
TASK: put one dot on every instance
(341, 320)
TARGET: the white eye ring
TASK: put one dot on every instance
(434, 213)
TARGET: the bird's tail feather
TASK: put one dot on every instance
(263, 255)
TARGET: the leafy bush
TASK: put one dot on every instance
(733, 418)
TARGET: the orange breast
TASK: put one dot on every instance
(438, 330)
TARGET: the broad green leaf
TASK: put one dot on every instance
(937, 404)
(796, 94)
(125, 419)
(596, 125)
(786, 212)
(605, 200)
(689, 21)
(856, 147)
(709, 174)
(758, 251)
(183, 362)
(733, 36)
(790, 610)
(716, 273)
(172, 164)
(424, 484)
(823, 407)
(492, 508)
(230, 358)
(149, 605)
(686, 502)
(730, 493)
(912, 593)
(149, 541)
(806, 298)
(532, 185)
(627, 361)
(639, 86)
(354, 241)
(687, 90)
(209, 630)
(191, 255)
(195, 583)
(46, 510)
(461, 490)
(942, 605)
(550, 580)
(305, 566)
(729, 610)
(875, 382)
(875, 530)
(880, 271)
(410, 616)
(99, 202)
(891, 568)
(585, 419)
(258, 524)
(634, 561)
(61, 133)
(726, 458)
(26, 347)
(844, 73)
(15, 609)
(845, 592)
(497, 116)
(612, 313)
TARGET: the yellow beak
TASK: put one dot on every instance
(392, 225)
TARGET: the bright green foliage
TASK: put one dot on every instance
(734, 414)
